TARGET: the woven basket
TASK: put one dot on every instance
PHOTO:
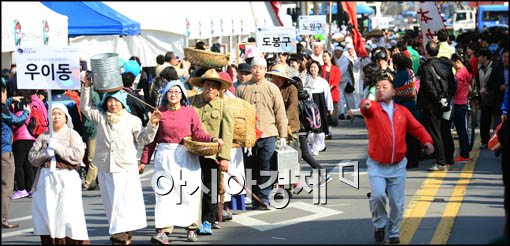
(374, 34)
(206, 59)
(244, 122)
(201, 148)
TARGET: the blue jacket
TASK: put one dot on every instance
(504, 105)
(8, 120)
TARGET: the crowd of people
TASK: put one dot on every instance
(411, 95)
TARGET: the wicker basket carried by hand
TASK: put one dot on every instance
(244, 122)
(206, 59)
(201, 148)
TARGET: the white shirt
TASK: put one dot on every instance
(319, 85)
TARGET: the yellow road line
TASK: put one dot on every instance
(443, 230)
(419, 205)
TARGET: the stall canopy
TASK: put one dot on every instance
(364, 9)
(186, 20)
(94, 18)
(360, 9)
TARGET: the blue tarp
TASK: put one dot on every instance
(360, 9)
(364, 9)
(94, 18)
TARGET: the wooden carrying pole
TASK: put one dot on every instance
(330, 17)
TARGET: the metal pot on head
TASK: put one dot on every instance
(106, 72)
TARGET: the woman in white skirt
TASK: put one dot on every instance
(319, 89)
(177, 203)
(57, 208)
(118, 132)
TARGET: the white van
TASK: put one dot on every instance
(464, 19)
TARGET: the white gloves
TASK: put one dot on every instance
(53, 143)
(281, 143)
(50, 152)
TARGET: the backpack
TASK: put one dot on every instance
(309, 115)
(38, 124)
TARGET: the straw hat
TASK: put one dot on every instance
(281, 71)
(212, 75)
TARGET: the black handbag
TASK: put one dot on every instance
(349, 88)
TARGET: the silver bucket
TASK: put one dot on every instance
(106, 72)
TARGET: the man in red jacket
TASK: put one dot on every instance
(387, 125)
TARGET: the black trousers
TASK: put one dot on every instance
(488, 115)
(448, 144)
(210, 208)
(305, 152)
(431, 120)
(413, 151)
(24, 173)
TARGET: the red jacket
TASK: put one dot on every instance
(387, 143)
(334, 81)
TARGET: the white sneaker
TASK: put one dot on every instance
(247, 200)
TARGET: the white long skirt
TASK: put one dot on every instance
(57, 208)
(236, 168)
(122, 197)
(177, 204)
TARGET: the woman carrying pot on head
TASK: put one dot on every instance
(57, 208)
(178, 205)
(217, 120)
(118, 132)
(318, 88)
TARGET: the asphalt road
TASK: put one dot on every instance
(461, 206)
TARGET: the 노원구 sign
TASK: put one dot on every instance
(312, 24)
(276, 39)
(48, 68)
(430, 20)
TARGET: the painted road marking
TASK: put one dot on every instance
(419, 205)
(21, 218)
(444, 229)
(318, 213)
(28, 231)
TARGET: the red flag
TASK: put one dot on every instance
(276, 8)
(359, 46)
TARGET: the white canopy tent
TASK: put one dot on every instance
(30, 24)
(166, 26)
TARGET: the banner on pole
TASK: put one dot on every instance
(312, 24)
(48, 68)
(431, 20)
(277, 39)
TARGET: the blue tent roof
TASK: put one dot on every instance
(360, 9)
(94, 18)
(364, 9)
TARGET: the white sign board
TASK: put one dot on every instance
(277, 39)
(29, 24)
(312, 24)
(48, 68)
(430, 20)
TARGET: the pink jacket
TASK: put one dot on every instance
(21, 132)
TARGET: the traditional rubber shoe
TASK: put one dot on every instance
(192, 236)
(8, 225)
(159, 239)
(459, 159)
(393, 240)
(379, 235)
